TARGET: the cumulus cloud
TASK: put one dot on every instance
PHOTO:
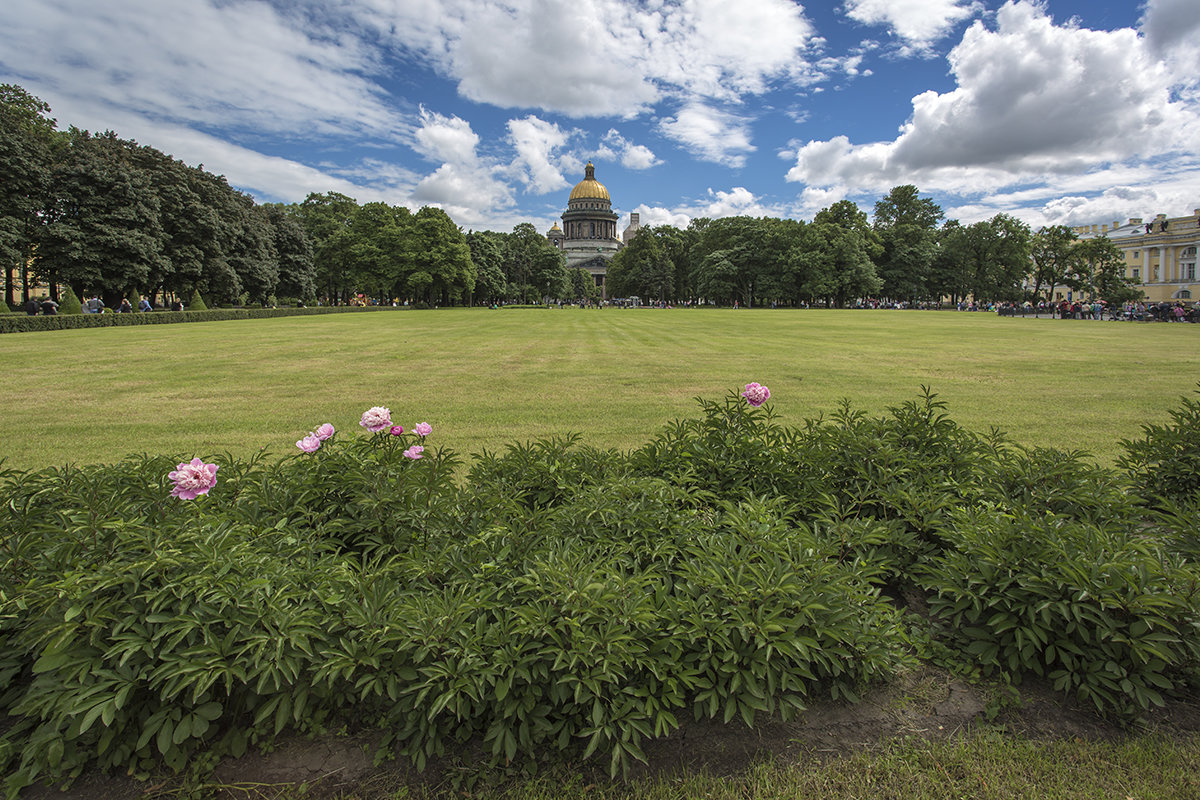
(916, 23)
(1168, 23)
(464, 181)
(1033, 99)
(535, 141)
(633, 156)
(736, 202)
(443, 138)
(693, 48)
(1171, 28)
(710, 134)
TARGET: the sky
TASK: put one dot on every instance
(1073, 112)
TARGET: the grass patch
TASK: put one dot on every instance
(982, 766)
(485, 378)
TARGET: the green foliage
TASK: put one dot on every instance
(70, 304)
(22, 323)
(566, 598)
(1164, 463)
(1098, 609)
(196, 303)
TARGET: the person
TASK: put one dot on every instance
(177, 305)
(49, 307)
(126, 307)
(93, 305)
(144, 305)
(31, 308)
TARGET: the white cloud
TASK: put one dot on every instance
(814, 199)
(710, 134)
(261, 73)
(917, 23)
(737, 202)
(535, 141)
(657, 215)
(1167, 23)
(464, 184)
(443, 138)
(632, 156)
(599, 57)
(1171, 28)
(1034, 102)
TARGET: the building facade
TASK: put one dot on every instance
(588, 234)
(1160, 254)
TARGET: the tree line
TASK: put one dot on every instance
(907, 254)
(107, 216)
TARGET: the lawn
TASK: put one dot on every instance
(486, 378)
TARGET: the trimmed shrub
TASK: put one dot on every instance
(69, 304)
(22, 323)
(197, 302)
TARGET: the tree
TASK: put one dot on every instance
(906, 224)
(734, 256)
(487, 254)
(297, 272)
(641, 268)
(442, 251)
(1104, 264)
(583, 286)
(537, 268)
(996, 258)
(103, 231)
(27, 142)
(326, 219)
(833, 260)
(1055, 260)
(252, 254)
(951, 271)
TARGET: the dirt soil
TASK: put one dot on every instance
(927, 704)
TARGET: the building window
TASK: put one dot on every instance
(1184, 294)
(1191, 272)
(1137, 254)
(1137, 274)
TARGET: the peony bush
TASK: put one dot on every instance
(560, 599)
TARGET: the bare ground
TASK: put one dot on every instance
(926, 704)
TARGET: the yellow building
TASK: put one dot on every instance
(1160, 254)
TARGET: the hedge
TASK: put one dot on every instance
(14, 323)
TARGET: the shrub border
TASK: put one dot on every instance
(14, 323)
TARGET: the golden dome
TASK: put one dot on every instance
(589, 188)
(555, 228)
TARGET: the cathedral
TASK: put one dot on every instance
(589, 232)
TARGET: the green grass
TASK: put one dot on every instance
(487, 378)
(979, 766)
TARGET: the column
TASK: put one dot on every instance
(1146, 265)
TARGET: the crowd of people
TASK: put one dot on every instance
(93, 305)
(1164, 311)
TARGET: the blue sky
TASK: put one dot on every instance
(1057, 112)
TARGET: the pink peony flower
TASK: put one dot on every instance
(310, 443)
(756, 395)
(376, 419)
(414, 452)
(397, 430)
(422, 429)
(193, 479)
(324, 432)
